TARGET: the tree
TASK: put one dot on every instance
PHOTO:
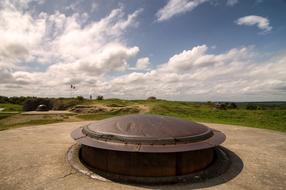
(80, 98)
(251, 107)
(151, 98)
(231, 106)
(99, 98)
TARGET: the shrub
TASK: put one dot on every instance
(13, 100)
(80, 98)
(18, 100)
(251, 107)
(231, 105)
(4, 100)
(151, 98)
(99, 98)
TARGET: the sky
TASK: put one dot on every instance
(188, 50)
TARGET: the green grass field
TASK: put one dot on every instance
(11, 107)
(268, 116)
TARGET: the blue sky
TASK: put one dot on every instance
(196, 50)
(212, 25)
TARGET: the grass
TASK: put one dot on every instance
(98, 116)
(18, 120)
(270, 116)
(274, 119)
(104, 115)
(5, 115)
(31, 122)
(11, 107)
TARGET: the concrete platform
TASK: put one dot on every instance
(35, 158)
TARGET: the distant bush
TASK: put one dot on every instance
(151, 98)
(4, 100)
(33, 103)
(18, 100)
(253, 107)
(99, 98)
(80, 98)
(13, 100)
(231, 106)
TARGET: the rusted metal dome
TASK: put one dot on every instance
(147, 145)
(148, 133)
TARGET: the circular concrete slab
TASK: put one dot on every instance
(35, 158)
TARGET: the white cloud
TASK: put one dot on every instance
(192, 74)
(41, 54)
(231, 2)
(197, 75)
(71, 48)
(197, 57)
(176, 7)
(261, 22)
(143, 63)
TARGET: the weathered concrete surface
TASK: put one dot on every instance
(35, 158)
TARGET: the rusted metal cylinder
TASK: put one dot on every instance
(146, 164)
(147, 145)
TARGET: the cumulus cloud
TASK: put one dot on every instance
(70, 48)
(197, 57)
(196, 74)
(143, 63)
(261, 22)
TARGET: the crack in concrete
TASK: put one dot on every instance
(70, 173)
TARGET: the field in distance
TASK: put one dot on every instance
(268, 115)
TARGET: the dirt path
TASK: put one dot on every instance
(35, 158)
(143, 108)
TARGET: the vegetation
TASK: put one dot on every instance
(99, 98)
(33, 103)
(66, 103)
(13, 100)
(268, 115)
(80, 98)
(151, 98)
(11, 107)
(269, 118)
